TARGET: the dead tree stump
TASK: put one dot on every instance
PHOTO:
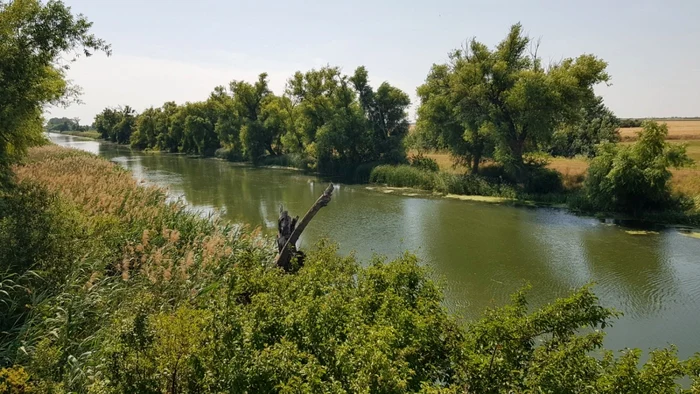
(289, 229)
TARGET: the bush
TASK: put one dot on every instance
(363, 172)
(631, 122)
(424, 163)
(542, 180)
(293, 160)
(229, 155)
(442, 182)
(403, 176)
(635, 179)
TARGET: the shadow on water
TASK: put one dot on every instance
(482, 252)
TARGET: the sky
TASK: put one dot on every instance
(180, 50)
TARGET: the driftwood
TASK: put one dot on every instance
(289, 229)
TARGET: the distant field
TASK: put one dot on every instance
(677, 130)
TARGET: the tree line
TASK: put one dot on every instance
(60, 125)
(332, 122)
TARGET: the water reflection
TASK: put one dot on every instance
(483, 252)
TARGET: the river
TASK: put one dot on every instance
(480, 252)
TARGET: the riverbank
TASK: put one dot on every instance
(92, 134)
(126, 276)
(453, 185)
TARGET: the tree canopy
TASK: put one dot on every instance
(330, 122)
(37, 44)
(504, 98)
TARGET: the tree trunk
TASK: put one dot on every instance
(289, 231)
(475, 165)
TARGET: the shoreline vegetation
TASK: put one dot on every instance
(133, 286)
(444, 180)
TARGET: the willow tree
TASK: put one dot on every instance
(36, 44)
(506, 95)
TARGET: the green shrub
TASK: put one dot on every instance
(403, 176)
(229, 154)
(424, 163)
(363, 172)
(293, 160)
(442, 182)
(635, 179)
(473, 185)
(541, 180)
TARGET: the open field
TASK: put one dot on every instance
(677, 130)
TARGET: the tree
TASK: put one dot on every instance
(507, 91)
(442, 122)
(635, 178)
(34, 41)
(62, 124)
(198, 121)
(385, 110)
(116, 124)
(311, 92)
(149, 124)
(248, 101)
(596, 125)
(126, 125)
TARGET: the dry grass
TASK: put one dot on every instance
(693, 150)
(161, 241)
(445, 161)
(677, 130)
(686, 181)
(573, 171)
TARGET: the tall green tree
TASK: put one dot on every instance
(445, 121)
(312, 92)
(248, 102)
(385, 109)
(506, 90)
(198, 122)
(116, 124)
(34, 40)
(105, 122)
(149, 124)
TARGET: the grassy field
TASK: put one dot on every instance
(677, 130)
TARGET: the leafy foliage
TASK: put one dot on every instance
(116, 125)
(596, 125)
(34, 39)
(635, 178)
(503, 101)
(60, 125)
(327, 121)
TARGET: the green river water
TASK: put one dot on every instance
(481, 252)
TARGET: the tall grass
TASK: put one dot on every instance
(118, 239)
(439, 181)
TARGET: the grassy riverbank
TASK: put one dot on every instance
(92, 134)
(108, 288)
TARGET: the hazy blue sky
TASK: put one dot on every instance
(180, 50)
